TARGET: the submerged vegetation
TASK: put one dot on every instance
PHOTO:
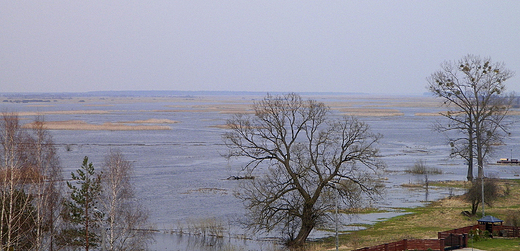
(420, 168)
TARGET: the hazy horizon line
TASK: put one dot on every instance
(184, 92)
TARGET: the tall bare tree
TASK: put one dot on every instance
(304, 151)
(46, 184)
(124, 217)
(473, 90)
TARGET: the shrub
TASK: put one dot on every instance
(513, 218)
(420, 168)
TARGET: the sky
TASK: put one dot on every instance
(379, 47)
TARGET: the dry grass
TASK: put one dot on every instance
(428, 114)
(226, 108)
(82, 125)
(221, 126)
(72, 112)
(366, 112)
(422, 223)
(425, 222)
(514, 112)
(151, 121)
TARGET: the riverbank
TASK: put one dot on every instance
(425, 222)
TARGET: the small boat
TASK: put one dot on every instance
(508, 161)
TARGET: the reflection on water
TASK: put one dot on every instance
(166, 241)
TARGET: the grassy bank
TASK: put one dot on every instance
(425, 222)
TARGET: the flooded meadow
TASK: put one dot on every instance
(180, 176)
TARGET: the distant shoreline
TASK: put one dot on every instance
(169, 93)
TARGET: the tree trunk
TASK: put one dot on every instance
(470, 152)
(474, 207)
(299, 241)
(306, 228)
(480, 163)
(480, 157)
(470, 170)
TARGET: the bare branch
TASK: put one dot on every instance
(303, 150)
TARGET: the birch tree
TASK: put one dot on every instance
(16, 209)
(46, 185)
(123, 217)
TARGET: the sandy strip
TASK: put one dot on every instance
(82, 125)
(364, 112)
(220, 108)
(63, 112)
(510, 113)
(99, 105)
(428, 114)
(151, 121)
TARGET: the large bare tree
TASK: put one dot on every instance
(122, 215)
(304, 155)
(473, 90)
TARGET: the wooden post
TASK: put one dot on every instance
(441, 244)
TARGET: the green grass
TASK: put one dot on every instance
(425, 222)
(497, 244)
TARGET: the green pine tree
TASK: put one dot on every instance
(79, 209)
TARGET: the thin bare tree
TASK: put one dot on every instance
(46, 184)
(304, 155)
(124, 219)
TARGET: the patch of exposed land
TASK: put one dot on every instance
(425, 222)
(368, 112)
(151, 121)
(350, 105)
(70, 112)
(82, 125)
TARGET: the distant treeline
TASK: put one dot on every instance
(26, 100)
(64, 95)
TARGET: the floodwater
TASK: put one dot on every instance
(181, 177)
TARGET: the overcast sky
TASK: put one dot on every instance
(268, 46)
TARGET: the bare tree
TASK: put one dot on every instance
(125, 218)
(46, 184)
(474, 91)
(474, 193)
(304, 152)
(16, 212)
